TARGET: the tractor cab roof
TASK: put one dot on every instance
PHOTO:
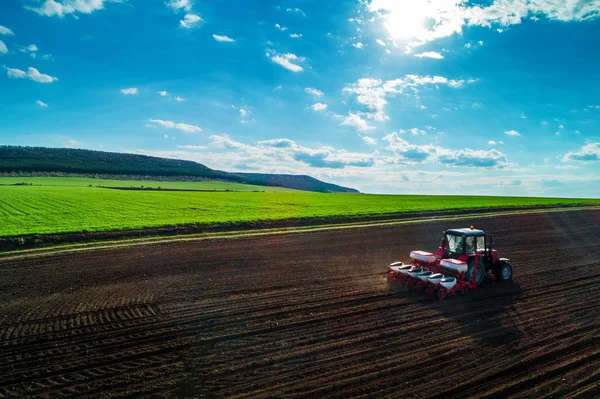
(466, 232)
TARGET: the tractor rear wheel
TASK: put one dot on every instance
(504, 272)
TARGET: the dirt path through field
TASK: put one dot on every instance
(306, 315)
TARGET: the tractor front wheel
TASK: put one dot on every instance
(481, 271)
(504, 272)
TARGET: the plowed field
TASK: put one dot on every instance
(306, 315)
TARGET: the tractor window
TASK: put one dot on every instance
(456, 244)
(481, 243)
(470, 245)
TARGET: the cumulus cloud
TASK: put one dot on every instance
(281, 28)
(369, 140)
(512, 133)
(42, 104)
(322, 157)
(190, 21)
(193, 147)
(5, 31)
(296, 11)
(357, 122)
(381, 42)
(223, 39)
(430, 54)
(412, 24)
(589, 152)
(184, 127)
(32, 74)
(313, 91)
(373, 92)
(163, 93)
(412, 153)
(180, 99)
(289, 61)
(3, 48)
(185, 5)
(296, 35)
(319, 107)
(131, 91)
(60, 8)
(358, 45)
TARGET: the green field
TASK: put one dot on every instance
(59, 209)
(179, 185)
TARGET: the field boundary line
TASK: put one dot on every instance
(128, 243)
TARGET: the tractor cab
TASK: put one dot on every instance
(463, 242)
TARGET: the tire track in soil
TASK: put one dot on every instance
(304, 316)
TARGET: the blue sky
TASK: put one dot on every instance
(428, 96)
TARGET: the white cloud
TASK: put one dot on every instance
(589, 152)
(313, 91)
(223, 39)
(5, 31)
(163, 93)
(42, 104)
(319, 107)
(357, 122)
(561, 127)
(289, 61)
(60, 8)
(492, 142)
(184, 127)
(322, 157)
(413, 24)
(373, 92)
(430, 54)
(31, 73)
(190, 21)
(369, 140)
(177, 5)
(132, 91)
(73, 144)
(296, 11)
(193, 147)
(381, 42)
(358, 45)
(512, 133)
(281, 28)
(296, 35)
(245, 112)
(412, 153)
(416, 132)
(3, 48)
(180, 99)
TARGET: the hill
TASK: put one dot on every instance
(76, 161)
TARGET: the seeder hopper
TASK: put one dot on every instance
(460, 264)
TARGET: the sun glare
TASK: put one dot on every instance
(407, 20)
(412, 23)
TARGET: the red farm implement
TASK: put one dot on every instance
(461, 263)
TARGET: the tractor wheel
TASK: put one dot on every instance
(481, 271)
(504, 272)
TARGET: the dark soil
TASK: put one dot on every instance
(307, 316)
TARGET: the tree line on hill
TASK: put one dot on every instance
(42, 160)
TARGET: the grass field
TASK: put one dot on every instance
(60, 209)
(180, 185)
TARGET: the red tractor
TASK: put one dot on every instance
(461, 263)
